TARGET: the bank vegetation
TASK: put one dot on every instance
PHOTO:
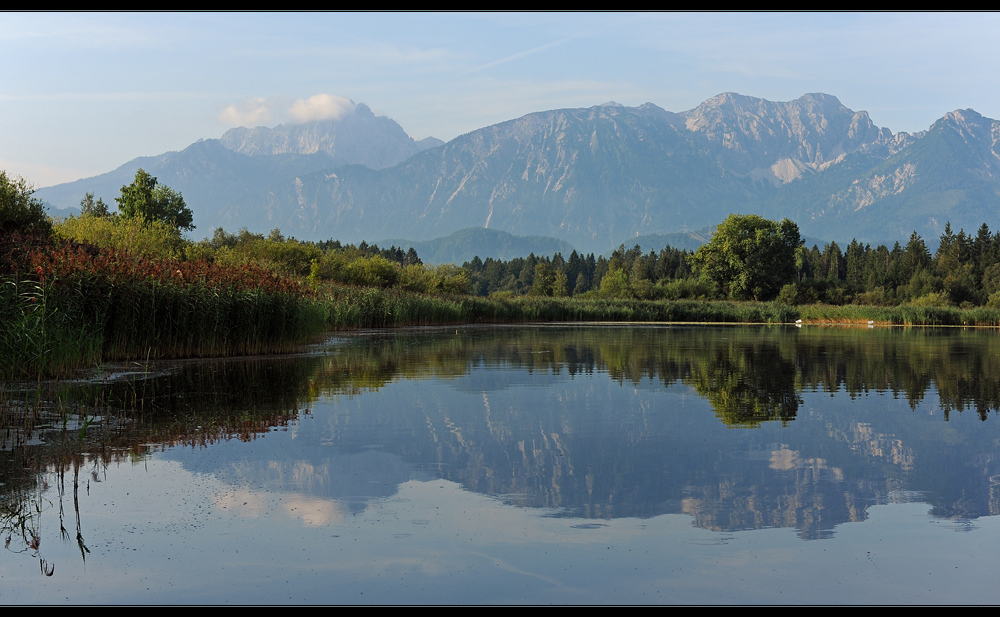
(108, 286)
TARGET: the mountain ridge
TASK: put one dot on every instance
(591, 176)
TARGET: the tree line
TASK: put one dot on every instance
(963, 271)
(558, 276)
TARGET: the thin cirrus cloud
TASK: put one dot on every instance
(517, 56)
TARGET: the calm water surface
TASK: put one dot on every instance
(576, 464)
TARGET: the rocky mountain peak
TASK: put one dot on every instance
(963, 116)
(975, 133)
(357, 136)
(778, 141)
(968, 123)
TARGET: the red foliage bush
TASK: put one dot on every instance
(51, 261)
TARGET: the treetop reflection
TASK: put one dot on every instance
(749, 375)
(590, 421)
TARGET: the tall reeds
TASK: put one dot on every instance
(904, 315)
(358, 307)
(65, 305)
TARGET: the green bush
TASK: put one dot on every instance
(935, 298)
(133, 236)
(289, 257)
(19, 211)
(876, 297)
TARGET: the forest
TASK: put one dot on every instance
(964, 272)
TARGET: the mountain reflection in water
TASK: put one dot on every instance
(737, 427)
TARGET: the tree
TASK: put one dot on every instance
(19, 211)
(545, 278)
(750, 257)
(146, 199)
(89, 207)
(615, 284)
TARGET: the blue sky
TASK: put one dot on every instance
(81, 94)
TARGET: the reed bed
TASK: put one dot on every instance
(356, 307)
(901, 315)
(65, 305)
(631, 310)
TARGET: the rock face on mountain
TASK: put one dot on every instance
(597, 177)
(951, 172)
(779, 142)
(357, 138)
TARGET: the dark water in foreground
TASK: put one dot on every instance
(628, 464)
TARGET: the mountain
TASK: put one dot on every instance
(690, 240)
(588, 176)
(357, 138)
(465, 244)
(780, 142)
(205, 173)
(951, 172)
(245, 162)
(593, 177)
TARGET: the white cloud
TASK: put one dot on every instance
(313, 512)
(252, 112)
(321, 107)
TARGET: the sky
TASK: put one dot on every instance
(82, 93)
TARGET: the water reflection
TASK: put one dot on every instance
(737, 427)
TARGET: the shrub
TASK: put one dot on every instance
(19, 211)
(935, 299)
(132, 236)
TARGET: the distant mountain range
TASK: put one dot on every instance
(213, 173)
(465, 244)
(594, 177)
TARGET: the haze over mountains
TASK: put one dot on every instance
(592, 177)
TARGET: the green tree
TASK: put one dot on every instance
(545, 278)
(89, 207)
(750, 257)
(615, 284)
(19, 211)
(150, 201)
(559, 287)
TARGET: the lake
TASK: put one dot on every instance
(532, 464)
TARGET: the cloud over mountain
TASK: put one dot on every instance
(322, 107)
